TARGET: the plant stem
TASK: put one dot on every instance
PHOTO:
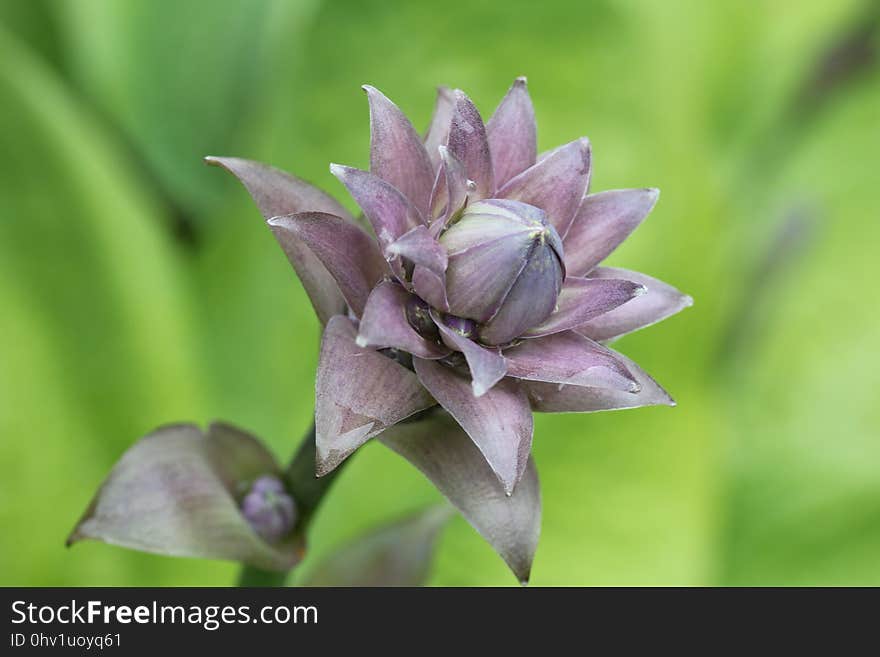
(308, 491)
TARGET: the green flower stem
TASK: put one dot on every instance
(308, 491)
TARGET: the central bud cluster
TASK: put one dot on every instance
(505, 270)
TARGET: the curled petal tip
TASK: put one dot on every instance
(688, 301)
(521, 80)
(337, 169)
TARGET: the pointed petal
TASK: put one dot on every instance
(469, 143)
(431, 287)
(569, 358)
(420, 248)
(450, 193)
(174, 493)
(603, 221)
(556, 184)
(445, 454)
(348, 253)
(396, 554)
(512, 134)
(384, 324)
(358, 394)
(659, 302)
(387, 210)
(487, 365)
(583, 299)
(278, 193)
(438, 131)
(397, 154)
(499, 422)
(556, 398)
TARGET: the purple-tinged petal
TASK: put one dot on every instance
(174, 493)
(487, 365)
(431, 287)
(499, 422)
(569, 358)
(395, 554)
(348, 253)
(469, 143)
(582, 299)
(388, 211)
(419, 247)
(450, 192)
(660, 301)
(384, 324)
(397, 154)
(530, 300)
(556, 398)
(556, 184)
(603, 221)
(358, 394)
(439, 448)
(512, 134)
(438, 131)
(278, 193)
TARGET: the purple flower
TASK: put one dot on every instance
(477, 287)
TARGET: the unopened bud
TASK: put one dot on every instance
(269, 509)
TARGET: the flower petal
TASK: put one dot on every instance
(583, 299)
(419, 247)
(397, 154)
(278, 193)
(450, 193)
(499, 422)
(487, 365)
(659, 302)
(603, 221)
(396, 554)
(569, 358)
(438, 131)
(469, 143)
(555, 398)
(384, 324)
(348, 253)
(174, 493)
(556, 184)
(431, 287)
(388, 211)
(445, 454)
(358, 394)
(512, 134)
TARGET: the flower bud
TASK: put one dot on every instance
(268, 508)
(505, 268)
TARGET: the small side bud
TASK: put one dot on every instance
(269, 509)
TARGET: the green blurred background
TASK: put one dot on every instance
(138, 286)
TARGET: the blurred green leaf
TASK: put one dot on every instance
(180, 80)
